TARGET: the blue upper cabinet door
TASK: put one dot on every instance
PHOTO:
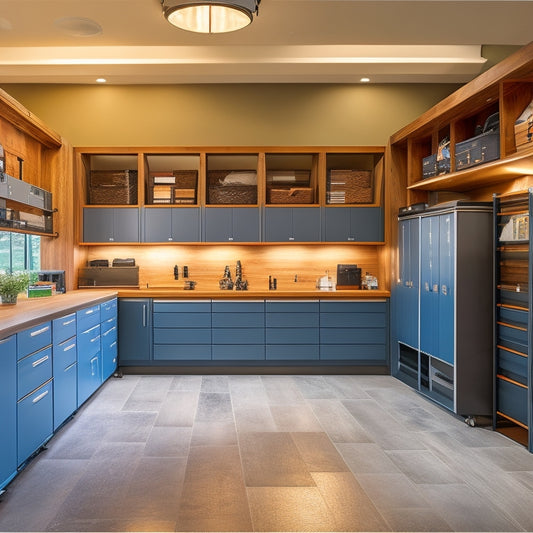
(231, 224)
(172, 224)
(429, 285)
(292, 224)
(108, 224)
(446, 337)
(353, 224)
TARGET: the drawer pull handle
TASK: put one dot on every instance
(69, 347)
(40, 361)
(95, 338)
(39, 331)
(95, 358)
(68, 322)
(114, 343)
(89, 311)
(40, 397)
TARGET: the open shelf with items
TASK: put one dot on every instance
(513, 402)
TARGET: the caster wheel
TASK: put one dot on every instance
(470, 421)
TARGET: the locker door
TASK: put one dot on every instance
(446, 336)
(429, 285)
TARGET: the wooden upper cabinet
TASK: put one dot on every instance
(480, 159)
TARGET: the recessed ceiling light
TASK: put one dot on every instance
(100, 80)
(78, 26)
(364, 80)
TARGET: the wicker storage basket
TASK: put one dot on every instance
(228, 194)
(113, 187)
(186, 179)
(350, 187)
(290, 195)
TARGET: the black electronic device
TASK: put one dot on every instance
(348, 277)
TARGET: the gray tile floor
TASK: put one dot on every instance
(270, 453)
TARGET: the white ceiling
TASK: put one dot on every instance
(436, 41)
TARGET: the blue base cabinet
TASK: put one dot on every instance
(8, 409)
(109, 339)
(134, 331)
(65, 362)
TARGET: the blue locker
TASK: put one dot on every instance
(446, 300)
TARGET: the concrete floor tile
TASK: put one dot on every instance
(168, 441)
(318, 452)
(366, 458)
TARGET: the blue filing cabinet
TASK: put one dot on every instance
(65, 370)
(292, 330)
(8, 409)
(89, 352)
(354, 331)
(109, 337)
(238, 330)
(181, 330)
(35, 423)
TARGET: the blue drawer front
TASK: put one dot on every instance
(108, 310)
(64, 355)
(65, 393)
(239, 352)
(241, 320)
(292, 352)
(512, 365)
(109, 356)
(89, 375)
(515, 317)
(355, 320)
(513, 338)
(512, 400)
(238, 336)
(110, 335)
(180, 320)
(35, 421)
(238, 307)
(89, 342)
(182, 352)
(33, 371)
(108, 324)
(292, 320)
(292, 307)
(33, 339)
(353, 352)
(88, 318)
(352, 336)
(353, 307)
(292, 336)
(182, 307)
(63, 328)
(182, 336)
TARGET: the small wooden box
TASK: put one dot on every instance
(523, 134)
(291, 195)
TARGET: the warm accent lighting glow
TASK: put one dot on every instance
(364, 80)
(100, 80)
(210, 16)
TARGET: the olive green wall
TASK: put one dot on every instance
(228, 115)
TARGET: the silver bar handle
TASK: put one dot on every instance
(68, 322)
(40, 397)
(69, 347)
(39, 331)
(144, 315)
(40, 361)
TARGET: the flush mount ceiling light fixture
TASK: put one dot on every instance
(210, 16)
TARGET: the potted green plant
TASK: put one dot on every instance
(11, 284)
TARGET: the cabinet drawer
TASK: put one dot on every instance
(63, 328)
(291, 307)
(182, 336)
(353, 307)
(292, 352)
(89, 341)
(108, 310)
(182, 307)
(35, 421)
(240, 320)
(33, 371)
(353, 352)
(109, 335)
(292, 320)
(239, 352)
(514, 317)
(88, 318)
(64, 355)
(182, 320)
(354, 320)
(182, 352)
(352, 336)
(65, 393)
(33, 339)
(238, 336)
(512, 365)
(292, 336)
(512, 400)
(238, 307)
(516, 339)
(110, 323)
